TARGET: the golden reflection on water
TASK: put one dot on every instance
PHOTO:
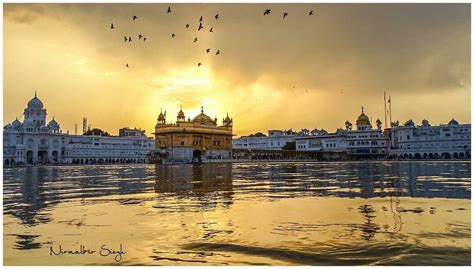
(206, 215)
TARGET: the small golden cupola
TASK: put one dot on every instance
(227, 122)
(161, 118)
(181, 117)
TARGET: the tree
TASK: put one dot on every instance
(96, 131)
(289, 146)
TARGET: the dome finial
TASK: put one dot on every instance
(202, 109)
(35, 93)
(362, 109)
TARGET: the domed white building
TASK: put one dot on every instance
(36, 141)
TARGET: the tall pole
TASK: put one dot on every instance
(390, 107)
(385, 108)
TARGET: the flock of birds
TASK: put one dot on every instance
(199, 28)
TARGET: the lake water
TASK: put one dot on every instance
(353, 213)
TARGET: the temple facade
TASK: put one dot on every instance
(193, 140)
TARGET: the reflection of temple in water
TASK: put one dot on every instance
(198, 178)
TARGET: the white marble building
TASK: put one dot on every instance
(365, 141)
(275, 140)
(323, 141)
(445, 141)
(35, 142)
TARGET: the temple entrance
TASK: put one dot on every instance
(55, 156)
(197, 156)
(42, 156)
(29, 157)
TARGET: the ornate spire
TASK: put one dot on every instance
(202, 110)
(35, 93)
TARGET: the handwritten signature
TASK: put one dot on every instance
(103, 251)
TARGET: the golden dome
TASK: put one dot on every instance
(363, 119)
(204, 119)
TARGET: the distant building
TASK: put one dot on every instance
(446, 141)
(332, 146)
(366, 142)
(194, 140)
(35, 142)
(131, 132)
(275, 140)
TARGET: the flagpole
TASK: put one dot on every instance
(385, 108)
(390, 108)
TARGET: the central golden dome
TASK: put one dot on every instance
(204, 119)
(363, 119)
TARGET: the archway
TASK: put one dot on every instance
(42, 156)
(197, 156)
(461, 155)
(12, 162)
(7, 162)
(55, 156)
(29, 157)
(436, 155)
(430, 155)
(445, 155)
(425, 156)
(417, 156)
(455, 155)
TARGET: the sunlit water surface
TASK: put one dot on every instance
(362, 213)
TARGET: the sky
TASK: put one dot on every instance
(272, 72)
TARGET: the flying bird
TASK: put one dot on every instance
(200, 27)
(199, 64)
(200, 19)
(217, 16)
(172, 35)
(140, 36)
(267, 12)
(187, 26)
(129, 39)
(126, 65)
(169, 9)
(195, 39)
(218, 52)
(208, 50)
(112, 26)
(210, 30)
(125, 38)
(135, 17)
(144, 39)
(285, 14)
(311, 13)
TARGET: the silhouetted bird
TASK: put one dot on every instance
(129, 39)
(285, 14)
(187, 26)
(200, 27)
(267, 12)
(169, 10)
(172, 35)
(311, 13)
(125, 38)
(135, 17)
(199, 64)
(195, 40)
(112, 26)
(200, 19)
(217, 16)
(218, 52)
(140, 36)
(126, 65)
(208, 50)
(210, 30)
(144, 39)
